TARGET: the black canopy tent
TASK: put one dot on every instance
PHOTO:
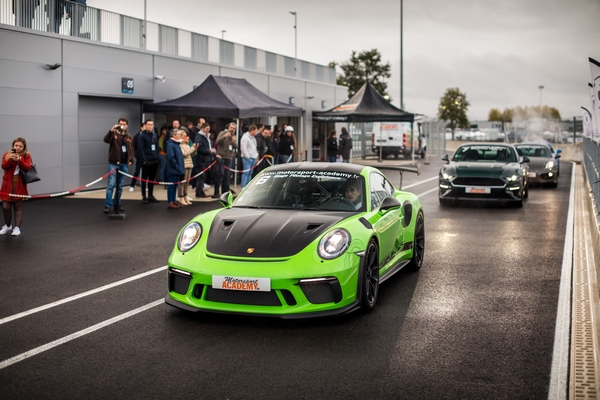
(365, 106)
(225, 97)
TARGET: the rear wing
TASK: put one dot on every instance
(402, 170)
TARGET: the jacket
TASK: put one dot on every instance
(203, 154)
(9, 167)
(332, 147)
(223, 143)
(188, 152)
(285, 145)
(114, 147)
(175, 164)
(145, 142)
(345, 146)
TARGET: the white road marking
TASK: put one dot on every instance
(559, 374)
(79, 296)
(48, 346)
(418, 183)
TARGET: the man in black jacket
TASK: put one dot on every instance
(148, 158)
(204, 156)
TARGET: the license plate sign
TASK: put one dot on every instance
(532, 175)
(241, 283)
(477, 190)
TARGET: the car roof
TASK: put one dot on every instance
(319, 166)
(533, 142)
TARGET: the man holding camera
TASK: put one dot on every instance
(120, 157)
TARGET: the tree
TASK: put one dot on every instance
(366, 66)
(523, 113)
(453, 108)
(494, 115)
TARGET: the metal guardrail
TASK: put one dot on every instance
(79, 20)
(591, 160)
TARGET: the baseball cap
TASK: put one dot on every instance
(289, 129)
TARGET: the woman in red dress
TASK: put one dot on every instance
(12, 162)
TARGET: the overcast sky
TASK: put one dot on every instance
(497, 52)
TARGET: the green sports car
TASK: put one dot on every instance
(301, 240)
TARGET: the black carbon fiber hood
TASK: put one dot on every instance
(245, 232)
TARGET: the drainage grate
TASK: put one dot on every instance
(584, 363)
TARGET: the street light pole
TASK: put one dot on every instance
(541, 88)
(401, 59)
(223, 34)
(295, 39)
(144, 28)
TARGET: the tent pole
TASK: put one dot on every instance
(237, 135)
(380, 146)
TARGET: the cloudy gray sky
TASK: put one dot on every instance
(497, 52)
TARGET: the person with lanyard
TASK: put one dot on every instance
(204, 156)
(149, 158)
(120, 157)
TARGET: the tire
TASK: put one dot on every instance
(370, 281)
(418, 244)
(554, 184)
(526, 192)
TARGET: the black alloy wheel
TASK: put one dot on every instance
(418, 244)
(370, 287)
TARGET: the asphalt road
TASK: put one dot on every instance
(476, 322)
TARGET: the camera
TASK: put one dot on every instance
(119, 128)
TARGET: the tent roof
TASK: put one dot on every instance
(224, 97)
(365, 106)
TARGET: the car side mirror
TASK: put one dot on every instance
(389, 203)
(445, 158)
(526, 159)
(226, 199)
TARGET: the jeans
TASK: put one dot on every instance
(283, 158)
(172, 189)
(163, 167)
(222, 177)
(247, 174)
(331, 158)
(112, 180)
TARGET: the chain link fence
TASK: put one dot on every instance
(591, 160)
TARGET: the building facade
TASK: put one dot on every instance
(63, 91)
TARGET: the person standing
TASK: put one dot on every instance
(175, 168)
(226, 145)
(275, 144)
(260, 147)
(162, 154)
(120, 157)
(187, 151)
(286, 146)
(149, 159)
(204, 154)
(138, 165)
(249, 154)
(332, 146)
(13, 161)
(345, 146)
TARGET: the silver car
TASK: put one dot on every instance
(543, 165)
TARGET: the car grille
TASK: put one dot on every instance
(239, 297)
(473, 181)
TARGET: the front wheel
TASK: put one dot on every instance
(418, 244)
(370, 286)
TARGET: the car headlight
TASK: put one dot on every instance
(447, 177)
(334, 244)
(189, 236)
(549, 165)
(512, 178)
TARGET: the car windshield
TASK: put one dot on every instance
(485, 153)
(534, 151)
(304, 190)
